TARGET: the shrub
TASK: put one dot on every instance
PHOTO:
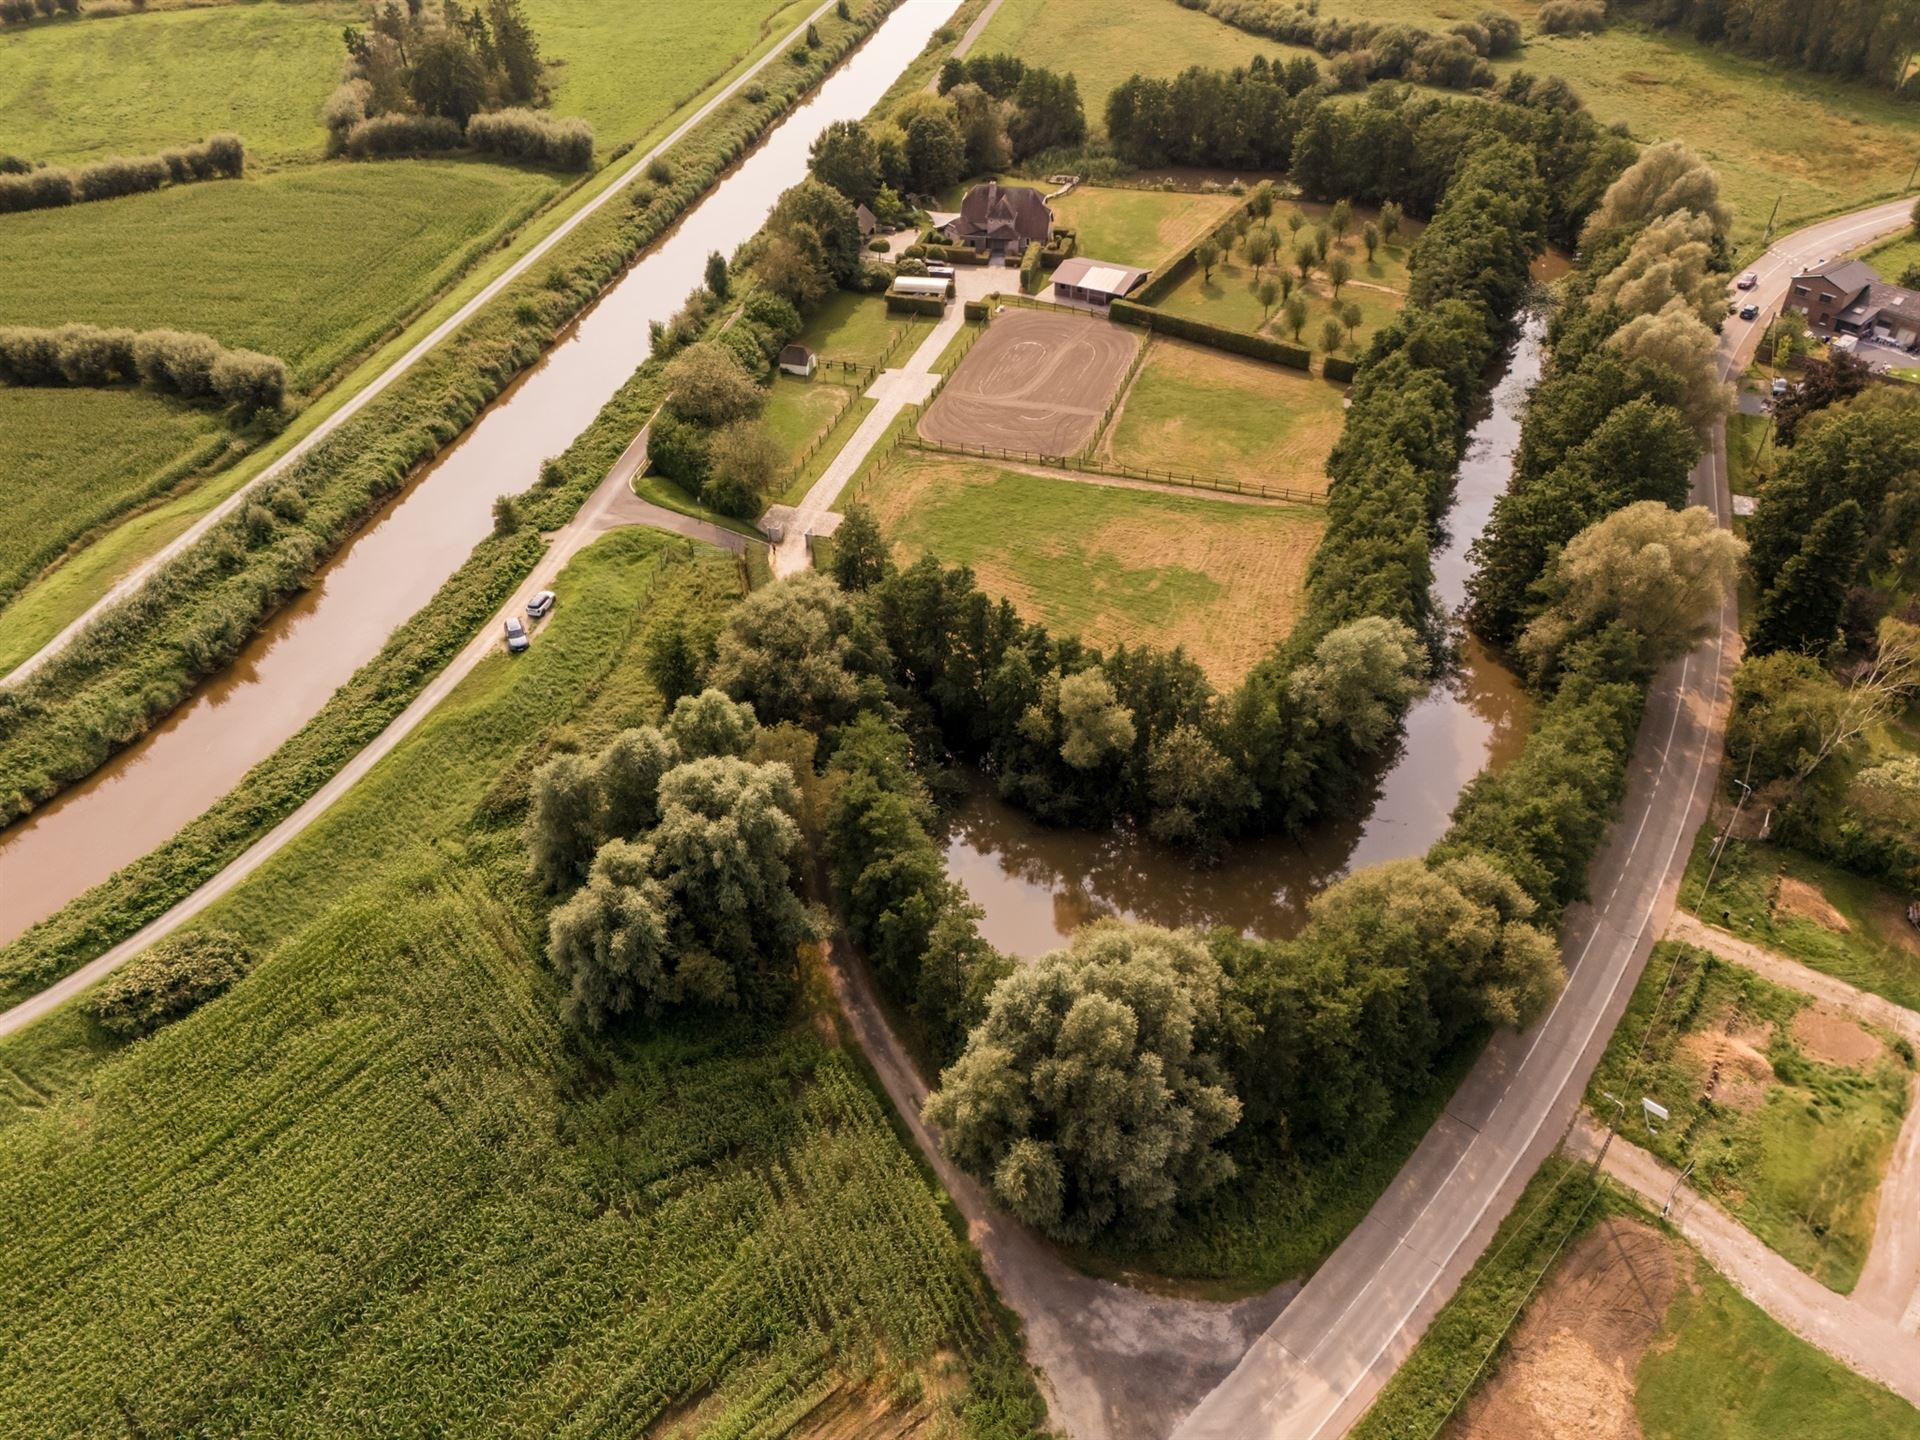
(217, 156)
(538, 139)
(1571, 17)
(1337, 367)
(167, 981)
(178, 362)
(1030, 269)
(382, 135)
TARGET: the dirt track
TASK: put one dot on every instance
(1035, 382)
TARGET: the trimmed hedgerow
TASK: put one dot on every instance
(1205, 332)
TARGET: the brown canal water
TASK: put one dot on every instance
(1037, 884)
(141, 797)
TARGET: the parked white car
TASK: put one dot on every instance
(540, 604)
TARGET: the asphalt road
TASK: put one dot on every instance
(127, 584)
(1317, 1368)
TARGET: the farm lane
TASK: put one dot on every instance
(1315, 1371)
(1844, 1328)
(611, 506)
(1889, 1284)
(130, 582)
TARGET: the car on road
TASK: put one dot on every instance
(1749, 311)
(540, 604)
(1746, 281)
(516, 635)
(1780, 385)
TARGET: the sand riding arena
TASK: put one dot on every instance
(1035, 382)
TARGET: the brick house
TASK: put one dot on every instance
(1846, 297)
(998, 219)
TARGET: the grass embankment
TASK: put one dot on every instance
(1827, 917)
(105, 689)
(1229, 296)
(1102, 42)
(1805, 1104)
(1109, 564)
(1653, 1342)
(1143, 228)
(53, 491)
(1205, 411)
(378, 1177)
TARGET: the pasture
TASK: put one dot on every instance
(378, 1177)
(1111, 564)
(75, 459)
(1227, 417)
(1804, 1104)
(1036, 381)
(855, 327)
(1143, 228)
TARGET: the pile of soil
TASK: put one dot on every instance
(1739, 1053)
(1798, 898)
(1569, 1369)
(1833, 1039)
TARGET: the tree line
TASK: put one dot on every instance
(172, 362)
(425, 78)
(40, 187)
(1363, 51)
(1870, 40)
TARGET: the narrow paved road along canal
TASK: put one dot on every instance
(141, 797)
(1037, 884)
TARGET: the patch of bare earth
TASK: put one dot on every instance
(1569, 1366)
(1889, 920)
(1732, 1061)
(1803, 901)
(1833, 1039)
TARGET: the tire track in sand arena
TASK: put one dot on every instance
(1035, 381)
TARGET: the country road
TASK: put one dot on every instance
(130, 582)
(611, 506)
(1318, 1367)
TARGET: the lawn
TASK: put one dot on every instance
(1723, 1369)
(1110, 565)
(1223, 416)
(1749, 441)
(800, 413)
(1143, 228)
(855, 327)
(135, 84)
(380, 1179)
(1102, 42)
(313, 264)
(1893, 257)
(1859, 935)
(75, 459)
(1804, 1111)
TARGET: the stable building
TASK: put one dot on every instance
(1094, 282)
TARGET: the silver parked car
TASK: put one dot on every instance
(516, 635)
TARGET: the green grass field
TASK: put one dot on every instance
(378, 1185)
(135, 84)
(1792, 1145)
(53, 491)
(1110, 565)
(855, 327)
(1145, 228)
(1223, 416)
(1722, 1369)
(313, 264)
(1877, 950)
(1102, 42)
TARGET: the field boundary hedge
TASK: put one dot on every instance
(1205, 332)
(218, 157)
(144, 656)
(173, 362)
(1167, 278)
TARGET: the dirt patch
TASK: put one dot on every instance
(1733, 1065)
(1888, 917)
(1034, 382)
(1570, 1365)
(1803, 901)
(1833, 1039)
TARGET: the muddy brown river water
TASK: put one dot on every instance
(145, 794)
(1037, 884)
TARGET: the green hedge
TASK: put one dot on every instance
(1030, 269)
(147, 655)
(1335, 368)
(1060, 248)
(976, 310)
(916, 305)
(950, 254)
(1203, 332)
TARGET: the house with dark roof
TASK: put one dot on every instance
(998, 219)
(1846, 297)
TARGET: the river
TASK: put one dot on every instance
(141, 797)
(1036, 884)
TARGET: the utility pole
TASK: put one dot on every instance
(1914, 173)
(1767, 236)
(1678, 1180)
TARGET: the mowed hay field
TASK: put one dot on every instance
(1110, 564)
(74, 459)
(1144, 228)
(378, 1187)
(313, 264)
(1229, 418)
